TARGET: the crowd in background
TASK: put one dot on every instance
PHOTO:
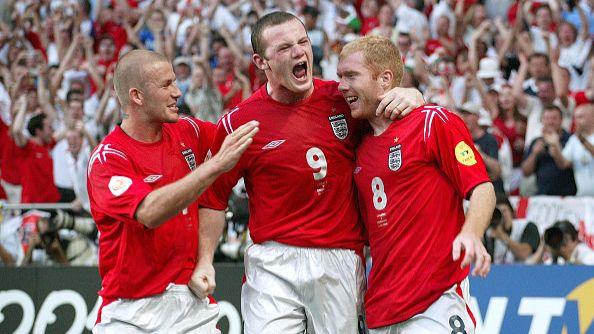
(519, 73)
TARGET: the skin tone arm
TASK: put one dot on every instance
(482, 204)
(16, 128)
(212, 223)
(162, 204)
(529, 164)
(517, 89)
(556, 152)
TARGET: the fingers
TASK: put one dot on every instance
(244, 142)
(469, 255)
(246, 128)
(456, 249)
(383, 103)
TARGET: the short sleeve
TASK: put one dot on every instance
(217, 195)
(115, 188)
(450, 144)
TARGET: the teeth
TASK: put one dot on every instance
(352, 99)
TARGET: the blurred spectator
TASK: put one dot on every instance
(484, 142)
(203, 99)
(562, 241)
(550, 179)
(510, 240)
(57, 241)
(578, 153)
(11, 251)
(36, 164)
(77, 160)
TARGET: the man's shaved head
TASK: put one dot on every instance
(132, 71)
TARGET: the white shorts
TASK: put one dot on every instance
(292, 290)
(450, 314)
(177, 310)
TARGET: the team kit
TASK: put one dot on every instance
(329, 167)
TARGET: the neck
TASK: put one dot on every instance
(141, 130)
(379, 124)
(283, 95)
(37, 140)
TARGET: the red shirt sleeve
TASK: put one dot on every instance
(217, 195)
(450, 144)
(115, 188)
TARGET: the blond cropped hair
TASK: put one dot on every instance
(380, 54)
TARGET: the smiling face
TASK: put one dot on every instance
(287, 59)
(358, 86)
(368, 67)
(160, 94)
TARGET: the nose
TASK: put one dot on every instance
(297, 51)
(342, 86)
(176, 91)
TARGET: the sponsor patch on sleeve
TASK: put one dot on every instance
(119, 184)
(465, 154)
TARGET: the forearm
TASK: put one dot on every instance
(480, 210)
(16, 130)
(164, 203)
(560, 161)
(529, 164)
(212, 224)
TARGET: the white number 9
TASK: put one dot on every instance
(317, 160)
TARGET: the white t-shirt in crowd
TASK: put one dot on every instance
(582, 162)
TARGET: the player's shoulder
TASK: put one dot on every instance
(190, 125)
(433, 116)
(111, 151)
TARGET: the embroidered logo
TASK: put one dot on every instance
(395, 157)
(119, 184)
(152, 178)
(339, 126)
(273, 144)
(190, 158)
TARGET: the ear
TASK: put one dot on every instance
(136, 96)
(385, 79)
(260, 62)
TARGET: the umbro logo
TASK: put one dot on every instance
(273, 144)
(152, 178)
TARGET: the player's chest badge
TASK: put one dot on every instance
(339, 126)
(190, 158)
(395, 157)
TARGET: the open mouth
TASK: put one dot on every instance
(300, 70)
(351, 99)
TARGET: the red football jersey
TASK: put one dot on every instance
(135, 261)
(37, 175)
(411, 182)
(298, 171)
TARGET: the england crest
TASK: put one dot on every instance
(339, 126)
(395, 158)
(190, 158)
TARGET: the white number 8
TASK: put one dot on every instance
(380, 200)
(317, 160)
